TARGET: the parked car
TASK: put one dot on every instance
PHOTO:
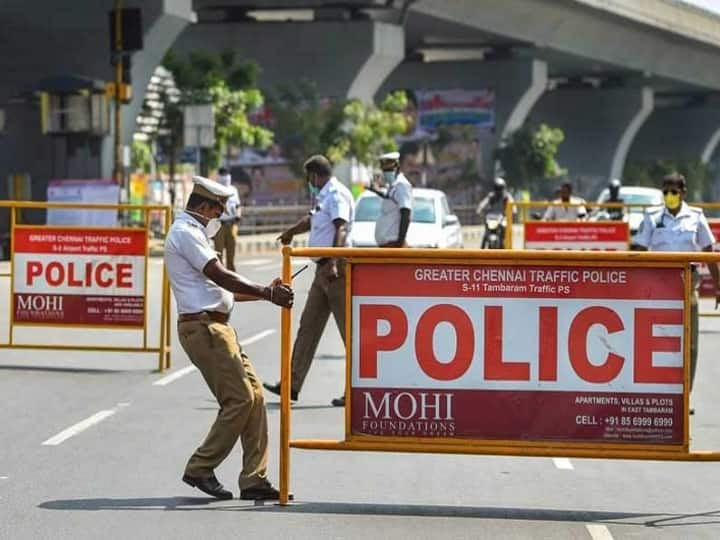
(433, 225)
(635, 195)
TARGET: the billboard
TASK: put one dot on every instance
(79, 277)
(552, 353)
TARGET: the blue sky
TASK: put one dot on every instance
(712, 5)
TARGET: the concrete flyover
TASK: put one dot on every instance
(601, 69)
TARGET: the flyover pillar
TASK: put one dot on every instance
(23, 148)
(600, 126)
(679, 132)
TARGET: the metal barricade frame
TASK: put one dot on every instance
(163, 348)
(353, 442)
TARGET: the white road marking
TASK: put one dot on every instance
(257, 337)
(252, 262)
(174, 376)
(189, 369)
(3, 477)
(79, 427)
(599, 532)
(278, 266)
(563, 463)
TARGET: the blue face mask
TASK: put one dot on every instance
(389, 177)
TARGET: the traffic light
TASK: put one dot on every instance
(130, 30)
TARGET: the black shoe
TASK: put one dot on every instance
(263, 492)
(691, 411)
(209, 485)
(338, 401)
(275, 389)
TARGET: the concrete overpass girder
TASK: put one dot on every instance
(679, 132)
(599, 125)
(587, 32)
(344, 58)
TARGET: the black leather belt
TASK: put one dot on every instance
(215, 316)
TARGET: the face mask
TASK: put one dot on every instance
(672, 200)
(224, 179)
(389, 177)
(313, 189)
(211, 227)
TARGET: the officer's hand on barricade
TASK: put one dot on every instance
(285, 238)
(280, 294)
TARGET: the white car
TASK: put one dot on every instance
(636, 195)
(432, 224)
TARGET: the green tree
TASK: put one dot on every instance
(528, 155)
(227, 84)
(368, 130)
(304, 123)
(141, 156)
(649, 173)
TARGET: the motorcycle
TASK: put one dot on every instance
(494, 237)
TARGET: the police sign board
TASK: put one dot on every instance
(79, 277)
(517, 352)
(600, 235)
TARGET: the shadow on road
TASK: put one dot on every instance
(529, 514)
(139, 503)
(51, 369)
(365, 509)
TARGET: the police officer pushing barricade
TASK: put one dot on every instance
(329, 223)
(680, 227)
(205, 292)
(396, 207)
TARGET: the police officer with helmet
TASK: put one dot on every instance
(680, 227)
(205, 292)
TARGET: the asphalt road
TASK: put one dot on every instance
(120, 476)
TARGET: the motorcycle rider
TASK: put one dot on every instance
(615, 214)
(495, 203)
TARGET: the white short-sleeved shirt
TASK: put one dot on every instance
(231, 206)
(566, 213)
(187, 251)
(333, 202)
(399, 196)
(686, 231)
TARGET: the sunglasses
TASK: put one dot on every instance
(673, 191)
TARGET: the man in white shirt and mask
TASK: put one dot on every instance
(225, 238)
(206, 292)
(396, 207)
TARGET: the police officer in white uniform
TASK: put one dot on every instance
(225, 239)
(396, 206)
(679, 227)
(205, 292)
(329, 223)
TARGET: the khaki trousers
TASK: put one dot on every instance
(214, 350)
(325, 297)
(225, 243)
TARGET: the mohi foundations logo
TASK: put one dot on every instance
(407, 413)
